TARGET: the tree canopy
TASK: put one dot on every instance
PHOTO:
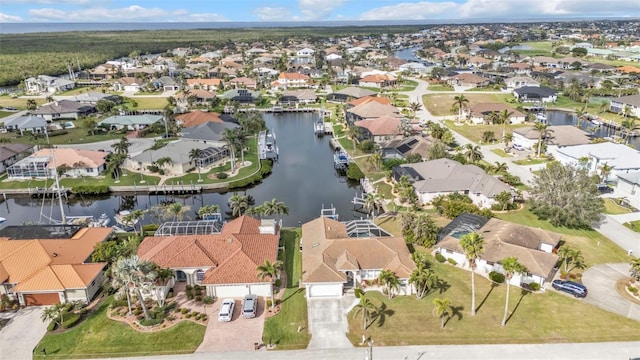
(566, 196)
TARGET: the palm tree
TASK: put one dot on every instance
(272, 271)
(507, 138)
(473, 154)
(376, 160)
(511, 267)
(238, 204)
(208, 209)
(629, 125)
(241, 142)
(177, 211)
(415, 107)
(422, 278)
(390, 280)
(136, 217)
(371, 202)
(274, 207)
(230, 137)
(459, 102)
(473, 246)
(164, 161)
(443, 309)
(194, 155)
(367, 308)
(132, 273)
(352, 133)
(635, 268)
(543, 131)
(605, 171)
(54, 313)
(121, 147)
(501, 167)
(31, 104)
(114, 165)
(581, 114)
(90, 125)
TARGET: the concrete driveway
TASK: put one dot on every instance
(23, 332)
(239, 334)
(328, 322)
(601, 280)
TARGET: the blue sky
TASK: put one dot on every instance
(305, 10)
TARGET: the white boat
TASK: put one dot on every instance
(121, 219)
(541, 117)
(2, 219)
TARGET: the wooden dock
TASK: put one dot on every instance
(280, 109)
(181, 189)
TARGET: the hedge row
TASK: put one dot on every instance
(91, 189)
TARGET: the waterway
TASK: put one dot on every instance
(303, 178)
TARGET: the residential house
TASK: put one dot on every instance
(130, 122)
(378, 81)
(195, 97)
(47, 84)
(166, 83)
(559, 136)
(52, 270)
(533, 247)
(64, 109)
(520, 81)
(302, 96)
(287, 79)
(630, 102)
(380, 129)
(242, 96)
(197, 117)
(535, 94)
(628, 185)
(305, 52)
(468, 80)
(93, 97)
(224, 263)
(11, 153)
(104, 72)
(481, 113)
(243, 83)
(622, 158)
(520, 68)
(205, 84)
(335, 259)
(349, 93)
(128, 84)
(403, 147)
(68, 162)
(210, 131)
(178, 151)
(445, 176)
(366, 99)
(371, 110)
(30, 123)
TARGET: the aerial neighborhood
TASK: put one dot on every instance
(483, 187)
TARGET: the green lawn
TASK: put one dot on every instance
(129, 179)
(500, 153)
(440, 87)
(99, 337)
(474, 132)
(18, 103)
(530, 161)
(611, 208)
(549, 317)
(4, 114)
(440, 104)
(595, 247)
(633, 225)
(147, 103)
(77, 135)
(282, 329)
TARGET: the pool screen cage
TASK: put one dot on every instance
(32, 166)
(211, 155)
(201, 227)
(364, 228)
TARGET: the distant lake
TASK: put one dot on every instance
(517, 47)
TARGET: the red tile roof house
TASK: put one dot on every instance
(286, 80)
(332, 261)
(371, 110)
(468, 80)
(379, 130)
(481, 113)
(378, 81)
(205, 84)
(50, 271)
(224, 263)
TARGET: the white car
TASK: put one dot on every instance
(226, 310)
(518, 147)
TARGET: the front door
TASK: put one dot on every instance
(349, 282)
(181, 276)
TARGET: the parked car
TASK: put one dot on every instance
(517, 147)
(226, 310)
(10, 108)
(249, 306)
(604, 189)
(570, 287)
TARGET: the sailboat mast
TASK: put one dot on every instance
(55, 174)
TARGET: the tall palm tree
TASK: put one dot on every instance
(164, 161)
(376, 160)
(505, 117)
(31, 104)
(629, 125)
(272, 271)
(473, 246)
(371, 202)
(472, 153)
(422, 279)
(132, 273)
(507, 138)
(459, 103)
(114, 165)
(605, 171)
(208, 209)
(238, 204)
(136, 217)
(543, 131)
(367, 308)
(121, 147)
(241, 142)
(230, 137)
(415, 107)
(442, 309)
(581, 114)
(352, 133)
(389, 280)
(511, 267)
(501, 167)
(176, 210)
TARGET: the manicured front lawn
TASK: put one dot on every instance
(500, 153)
(595, 247)
(129, 179)
(474, 132)
(282, 329)
(18, 103)
(147, 103)
(440, 87)
(537, 318)
(530, 161)
(611, 208)
(99, 337)
(440, 104)
(633, 225)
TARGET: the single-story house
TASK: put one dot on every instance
(535, 94)
(378, 81)
(622, 158)
(93, 97)
(303, 96)
(128, 84)
(205, 84)
(178, 151)
(47, 84)
(64, 109)
(333, 260)
(445, 176)
(559, 136)
(468, 80)
(75, 163)
(32, 123)
(401, 148)
(371, 110)
(349, 93)
(520, 81)
(11, 153)
(211, 131)
(380, 129)
(166, 83)
(197, 117)
(130, 122)
(481, 113)
(533, 247)
(632, 102)
(305, 52)
(197, 96)
(224, 263)
(243, 96)
(243, 82)
(52, 270)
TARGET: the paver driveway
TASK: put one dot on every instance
(22, 333)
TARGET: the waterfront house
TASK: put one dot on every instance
(197, 117)
(128, 84)
(210, 131)
(47, 84)
(224, 263)
(130, 122)
(371, 110)
(29, 123)
(335, 259)
(243, 82)
(291, 79)
(197, 96)
(482, 113)
(302, 96)
(380, 129)
(520, 81)
(349, 93)
(64, 109)
(445, 176)
(538, 94)
(403, 147)
(11, 153)
(378, 81)
(628, 185)
(52, 270)
(178, 151)
(622, 158)
(205, 84)
(631, 102)
(242, 96)
(533, 247)
(68, 162)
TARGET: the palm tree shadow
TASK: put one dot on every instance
(493, 286)
(381, 314)
(456, 311)
(523, 293)
(290, 296)
(440, 285)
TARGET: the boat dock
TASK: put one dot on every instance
(267, 147)
(341, 160)
(321, 128)
(37, 192)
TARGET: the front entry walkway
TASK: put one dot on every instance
(328, 322)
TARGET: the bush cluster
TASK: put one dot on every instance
(440, 258)
(496, 277)
(90, 189)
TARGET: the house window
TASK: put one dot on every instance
(448, 251)
(199, 276)
(490, 263)
(92, 283)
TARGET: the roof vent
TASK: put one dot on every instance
(315, 245)
(54, 254)
(329, 228)
(229, 240)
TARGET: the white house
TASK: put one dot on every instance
(629, 186)
(130, 122)
(31, 123)
(533, 247)
(632, 102)
(305, 52)
(334, 260)
(70, 162)
(622, 158)
(47, 84)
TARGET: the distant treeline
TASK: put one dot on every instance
(26, 55)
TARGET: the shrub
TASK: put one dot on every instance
(184, 311)
(58, 132)
(632, 289)
(496, 277)
(195, 313)
(204, 318)
(277, 283)
(534, 286)
(198, 298)
(70, 319)
(137, 311)
(354, 172)
(197, 317)
(151, 322)
(170, 294)
(268, 303)
(452, 261)
(358, 293)
(222, 175)
(91, 189)
(150, 227)
(188, 315)
(197, 287)
(170, 318)
(207, 299)
(440, 258)
(153, 168)
(52, 326)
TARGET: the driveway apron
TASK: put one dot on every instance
(601, 282)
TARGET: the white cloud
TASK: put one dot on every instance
(211, 17)
(4, 18)
(318, 9)
(53, 2)
(409, 11)
(133, 12)
(273, 14)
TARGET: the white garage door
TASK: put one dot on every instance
(325, 290)
(232, 291)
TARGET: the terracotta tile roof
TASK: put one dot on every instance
(366, 99)
(374, 109)
(69, 157)
(385, 125)
(377, 78)
(204, 82)
(230, 257)
(198, 117)
(293, 76)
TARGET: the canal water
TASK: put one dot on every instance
(303, 178)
